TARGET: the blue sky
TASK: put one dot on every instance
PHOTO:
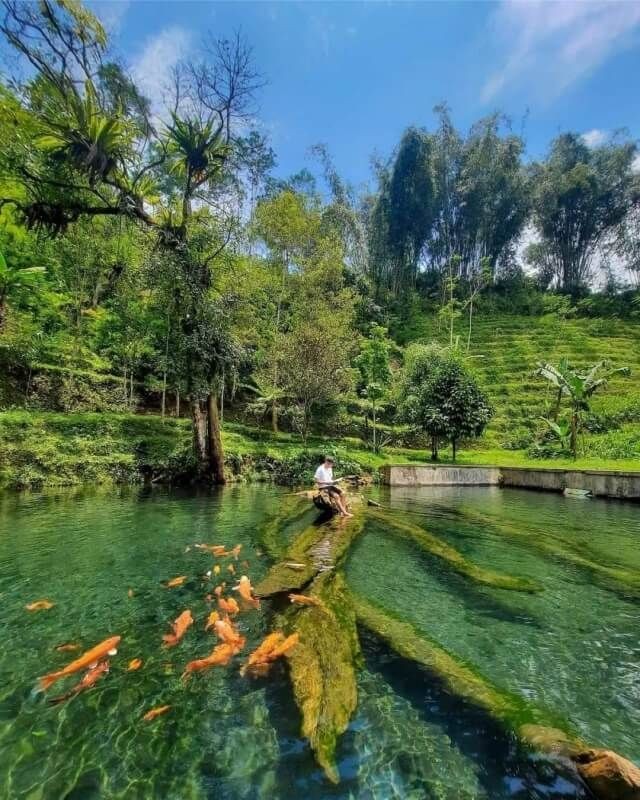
(353, 74)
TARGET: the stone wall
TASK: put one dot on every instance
(624, 485)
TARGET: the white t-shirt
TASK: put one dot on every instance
(324, 474)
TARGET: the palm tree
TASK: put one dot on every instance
(579, 388)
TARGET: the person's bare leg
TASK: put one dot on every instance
(343, 506)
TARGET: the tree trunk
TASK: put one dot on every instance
(199, 437)
(3, 312)
(375, 444)
(274, 416)
(216, 454)
(434, 448)
(454, 448)
(177, 403)
(573, 442)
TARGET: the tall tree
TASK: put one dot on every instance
(581, 195)
(375, 372)
(95, 158)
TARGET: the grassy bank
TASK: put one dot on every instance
(50, 449)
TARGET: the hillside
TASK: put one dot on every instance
(505, 351)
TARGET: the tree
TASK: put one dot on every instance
(93, 157)
(13, 281)
(440, 397)
(375, 373)
(578, 388)
(581, 195)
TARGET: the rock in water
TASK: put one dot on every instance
(608, 775)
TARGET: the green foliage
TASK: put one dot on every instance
(375, 371)
(442, 398)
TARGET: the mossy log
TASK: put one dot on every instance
(270, 536)
(608, 775)
(614, 578)
(322, 666)
(316, 549)
(452, 557)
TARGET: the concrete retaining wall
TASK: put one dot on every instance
(624, 485)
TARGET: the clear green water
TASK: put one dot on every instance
(574, 648)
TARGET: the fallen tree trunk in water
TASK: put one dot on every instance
(322, 666)
(608, 775)
(317, 549)
(454, 559)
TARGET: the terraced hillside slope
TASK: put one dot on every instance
(505, 351)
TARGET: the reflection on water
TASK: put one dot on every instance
(574, 648)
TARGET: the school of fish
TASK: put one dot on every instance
(94, 663)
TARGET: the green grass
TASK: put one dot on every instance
(505, 351)
(52, 449)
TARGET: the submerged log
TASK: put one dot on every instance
(452, 557)
(322, 666)
(615, 578)
(608, 775)
(317, 549)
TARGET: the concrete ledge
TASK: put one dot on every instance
(601, 483)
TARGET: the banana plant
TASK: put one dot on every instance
(578, 388)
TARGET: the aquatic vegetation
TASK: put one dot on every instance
(322, 667)
(454, 559)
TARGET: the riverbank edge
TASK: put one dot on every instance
(612, 484)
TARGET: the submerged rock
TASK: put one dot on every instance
(608, 775)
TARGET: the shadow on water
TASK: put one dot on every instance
(507, 770)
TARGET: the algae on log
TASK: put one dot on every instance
(322, 666)
(453, 558)
(270, 535)
(608, 775)
(316, 549)
(614, 578)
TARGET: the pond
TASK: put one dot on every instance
(573, 647)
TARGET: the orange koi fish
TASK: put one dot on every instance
(211, 620)
(91, 657)
(179, 627)
(245, 589)
(86, 682)
(216, 569)
(304, 600)
(40, 605)
(273, 647)
(219, 657)
(134, 664)
(228, 606)
(155, 712)
(218, 591)
(68, 647)
(228, 634)
(130, 594)
(175, 582)
(214, 549)
(231, 569)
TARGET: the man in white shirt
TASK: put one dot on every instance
(324, 480)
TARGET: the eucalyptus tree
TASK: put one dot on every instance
(98, 153)
(581, 196)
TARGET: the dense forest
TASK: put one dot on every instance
(151, 261)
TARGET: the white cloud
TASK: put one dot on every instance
(152, 68)
(550, 44)
(595, 137)
(111, 13)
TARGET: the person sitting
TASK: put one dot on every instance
(324, 480)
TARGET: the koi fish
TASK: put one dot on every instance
(235, 551)
(229, 606)
(215, 549)
(273, 647)
(245, 589)
(134, 664)
(217, 591)
(68, 647)
(93, 656)
(155, 712)
(304, 600)
(179, 627)
(245, 565)
(231, 569)
(40, 605)
(175, 582)
(211, 620)
(86, 682)
(219, 657)
(228, 634)
(216, 569)
(130, 594)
